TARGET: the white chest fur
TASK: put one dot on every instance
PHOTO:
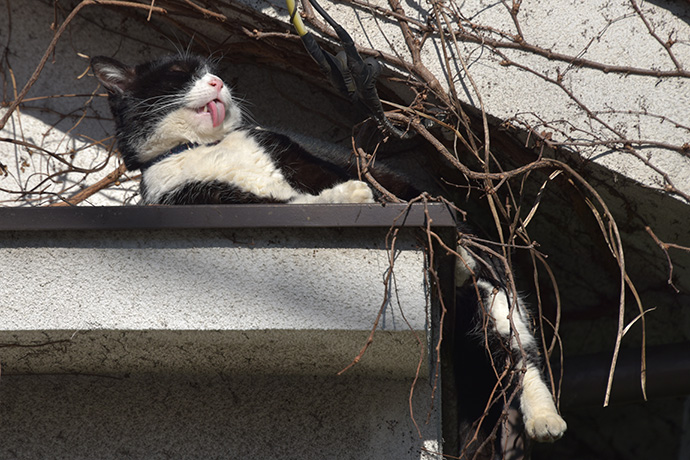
(238, 159)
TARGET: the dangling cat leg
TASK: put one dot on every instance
(541, 418)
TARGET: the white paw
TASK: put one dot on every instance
(545, 427)
(352, 191)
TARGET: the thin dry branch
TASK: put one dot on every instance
(665, 247)
(107, 181)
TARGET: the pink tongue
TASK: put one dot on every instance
(217, 111)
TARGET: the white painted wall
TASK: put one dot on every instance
(263, 279)
(212, 344)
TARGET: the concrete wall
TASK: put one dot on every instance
(204, 281)
(212, 344)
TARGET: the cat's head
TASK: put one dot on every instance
(161, 104)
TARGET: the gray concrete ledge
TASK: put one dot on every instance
(151, 341)
(210, 279)
(204, 343)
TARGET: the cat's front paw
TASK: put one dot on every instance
(355, 191)
(352, 191)
(545, 427)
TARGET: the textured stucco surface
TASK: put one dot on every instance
(203, 344)
(212, 394)
(208, 280)
(212, 416)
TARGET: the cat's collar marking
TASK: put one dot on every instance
(173, 151)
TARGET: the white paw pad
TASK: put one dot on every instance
(545, 427)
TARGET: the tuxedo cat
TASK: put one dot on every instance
(178, 123)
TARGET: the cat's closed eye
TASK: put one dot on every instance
(177, 69)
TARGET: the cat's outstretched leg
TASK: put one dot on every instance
(542, 421)
(352, 191)
(511, 323)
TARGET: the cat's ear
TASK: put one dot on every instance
(114, 75)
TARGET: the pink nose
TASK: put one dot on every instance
(216, 83)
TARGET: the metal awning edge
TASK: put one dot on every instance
(225, 216)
